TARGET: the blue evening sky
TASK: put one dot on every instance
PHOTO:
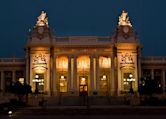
(82, 17)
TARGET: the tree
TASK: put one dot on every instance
(21, 90)
(149, 86)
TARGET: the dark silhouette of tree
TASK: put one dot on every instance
(21, 90)
(149, 86)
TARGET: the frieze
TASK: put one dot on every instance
(39, 59)
(126, 59)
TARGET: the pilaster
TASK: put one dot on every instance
(163, 80)
(54, 81)
(69, 74)
(91, 74)
(97, 74)
(75, 75)
(112, 82)
(13, 76)
(2, 80)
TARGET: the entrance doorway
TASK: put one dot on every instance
(83, 85)
(39, 83)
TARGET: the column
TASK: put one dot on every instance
(75, 75)
(91, 74)
(163, 81)
(152, 74)
(2, 80)
(112, 75)
(27, 80)
(72, 73)
(139, 64)
(69, 74)
(14, 76)
(54, 81)
(97, 74)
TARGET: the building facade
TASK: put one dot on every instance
(83, 65)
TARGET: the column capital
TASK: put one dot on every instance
(74, 56)
(91, 56)
(97, 56)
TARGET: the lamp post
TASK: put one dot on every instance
(36, 81)
(131, 79)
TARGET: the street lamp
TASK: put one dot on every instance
(131, 79)
(36, 81)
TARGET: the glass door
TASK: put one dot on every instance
(83, 85)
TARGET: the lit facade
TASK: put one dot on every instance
(85, 65)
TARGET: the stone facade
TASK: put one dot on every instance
(82, 65)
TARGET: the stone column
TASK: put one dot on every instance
(27, 79)
(152, 74)
(69, 74)
(91, 74)
(75, 75)
(163, 81)
(112, 75)
(139, 64)
(2, 80)
(97, 74)
(13, 76)
(51, 71)
(54, 81)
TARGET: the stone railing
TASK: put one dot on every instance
(81, 40)
(154, 59)
(12, 61)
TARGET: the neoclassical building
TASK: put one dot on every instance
(82, 65)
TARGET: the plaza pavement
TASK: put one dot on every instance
(93, 110)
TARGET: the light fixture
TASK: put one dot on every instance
(10, 112)
(62, 77)
(130, 75)
(83, 81)
(104, 77)
(36, 76)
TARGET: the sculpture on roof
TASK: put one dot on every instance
(124, 19)
(42, 19)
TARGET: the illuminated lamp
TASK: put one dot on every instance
(104, 77)
(83, 81)
(10, 112)
(21, 80)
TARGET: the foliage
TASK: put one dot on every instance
(149, 86)
(20, 90)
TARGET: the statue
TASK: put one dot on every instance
(124, 19)
(42, 20)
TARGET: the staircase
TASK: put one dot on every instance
(78, 100)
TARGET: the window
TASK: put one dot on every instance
(20, 76)
(8, 80)
(63, 84)
(103, 83)
(39, 83)
(128, 80)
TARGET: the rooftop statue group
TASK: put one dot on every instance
(42, 19)
(124, 19)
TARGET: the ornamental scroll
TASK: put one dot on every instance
(127, 59)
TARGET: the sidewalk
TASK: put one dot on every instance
(98, 107)
(93, 110)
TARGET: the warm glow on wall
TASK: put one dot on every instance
(40, 68)
(39, 62)
(104, 62)
(62, 63)
(83, 63)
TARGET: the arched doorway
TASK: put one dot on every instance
(83, 68)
